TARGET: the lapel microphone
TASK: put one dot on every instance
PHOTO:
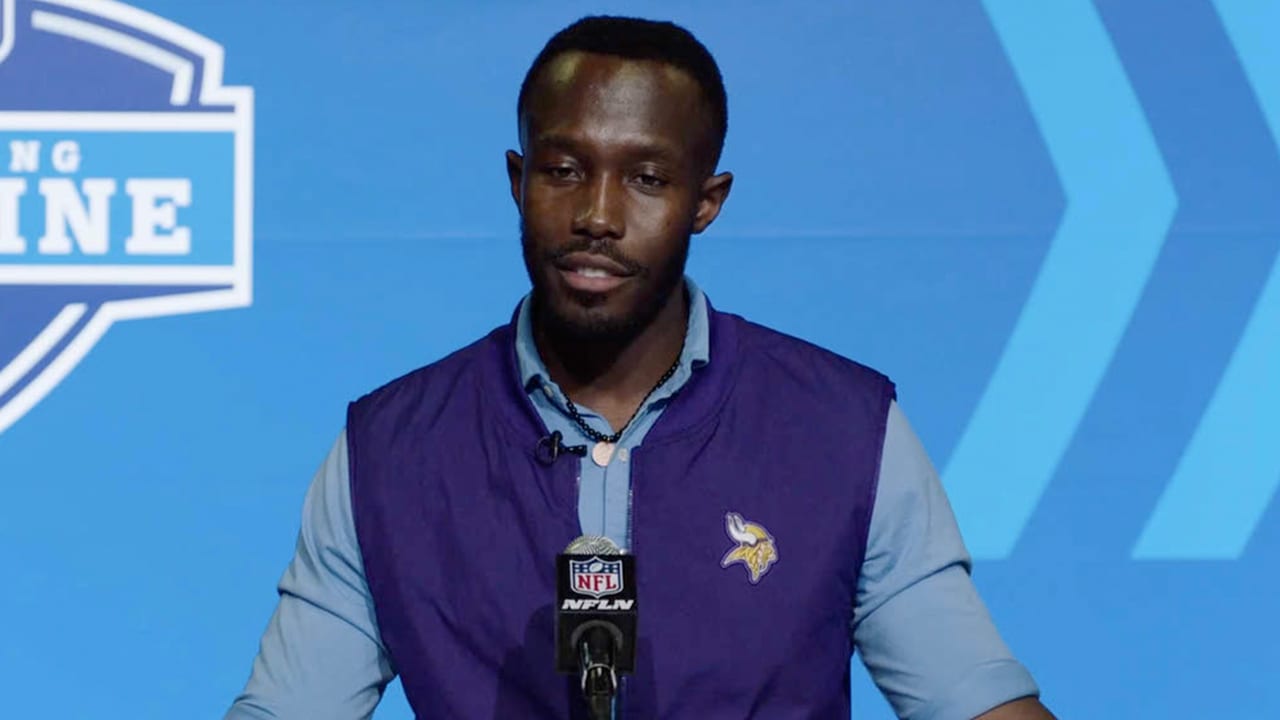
(551, 447)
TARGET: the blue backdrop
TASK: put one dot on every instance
(1054, 224)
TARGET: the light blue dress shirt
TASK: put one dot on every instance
(919, 625)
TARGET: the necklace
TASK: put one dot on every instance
(602, 451)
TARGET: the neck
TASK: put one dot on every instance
(612, 377)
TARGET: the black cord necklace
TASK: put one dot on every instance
(604, 443)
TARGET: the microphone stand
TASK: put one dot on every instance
(599, 681)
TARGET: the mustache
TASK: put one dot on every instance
(603, 248)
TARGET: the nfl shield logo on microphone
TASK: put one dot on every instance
(126, 171)
(595, 577)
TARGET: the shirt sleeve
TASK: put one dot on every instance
(921, 629)
(321, 657)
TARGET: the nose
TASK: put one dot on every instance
(600, 212)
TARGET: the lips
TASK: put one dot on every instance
(591, 273)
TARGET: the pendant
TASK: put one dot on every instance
(602, 453)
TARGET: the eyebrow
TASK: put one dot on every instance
(642, 148)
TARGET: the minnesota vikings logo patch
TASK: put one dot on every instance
(755, 549)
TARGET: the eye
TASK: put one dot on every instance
(650, 181)
(560, 172)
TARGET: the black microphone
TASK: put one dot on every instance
(596, 618)
(551, 447)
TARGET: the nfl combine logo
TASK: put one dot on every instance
(125, 183)
(595, 577)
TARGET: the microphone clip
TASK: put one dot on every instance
(551, 447)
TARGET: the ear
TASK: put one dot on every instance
(711, 197)
(515, 174)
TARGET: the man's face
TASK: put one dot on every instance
(612, 184)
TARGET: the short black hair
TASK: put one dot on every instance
(639, 39)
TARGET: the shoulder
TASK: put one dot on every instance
(434, 378)
(789, 358)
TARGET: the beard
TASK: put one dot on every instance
(587, 317)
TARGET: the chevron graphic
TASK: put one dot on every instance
(1120, 202)
(1231, 468)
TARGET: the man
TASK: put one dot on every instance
(780, 507)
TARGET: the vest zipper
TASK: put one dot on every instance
(620, 708)
(631, 504)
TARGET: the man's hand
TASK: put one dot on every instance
(1024, 709)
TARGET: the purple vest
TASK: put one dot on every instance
(459, 526)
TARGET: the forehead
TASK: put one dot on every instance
(602, 95)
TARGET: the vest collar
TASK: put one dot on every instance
(693, 405)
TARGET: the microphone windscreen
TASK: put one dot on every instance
(593, 545)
